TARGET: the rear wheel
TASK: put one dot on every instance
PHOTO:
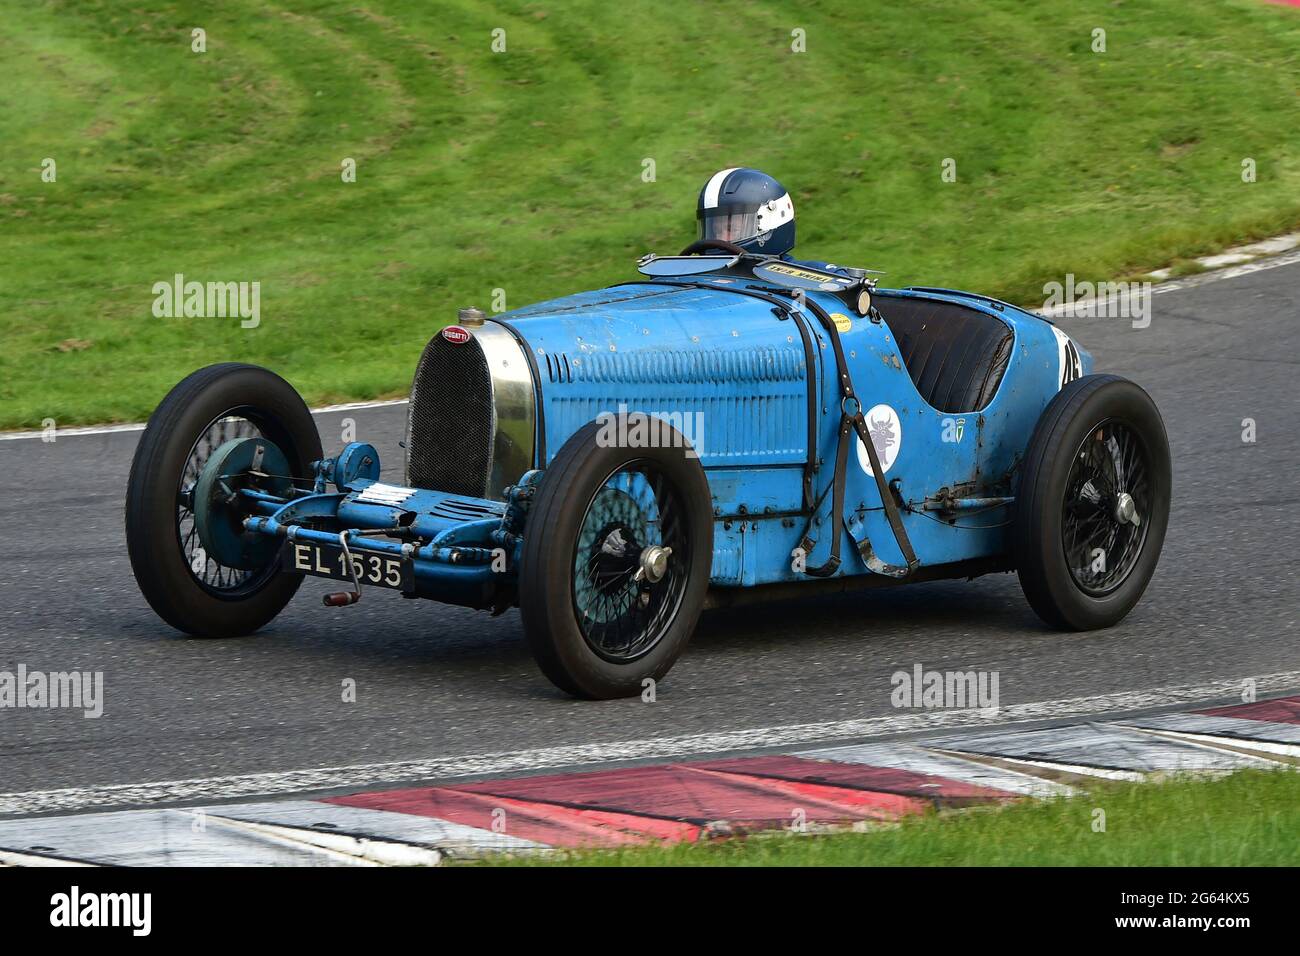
(203, 591)
(617, 555)
(1093, 503)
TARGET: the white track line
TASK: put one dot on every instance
(802, 735)
(139, 426)
(1231, 744)
(10, 858)
(1175, 285)
(1078, 770)
(343, 848)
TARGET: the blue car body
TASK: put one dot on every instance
(704, 350)
(742, 370)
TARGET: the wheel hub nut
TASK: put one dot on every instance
(654, 562)
(1126, 509)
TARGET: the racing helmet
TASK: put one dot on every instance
(747, 207)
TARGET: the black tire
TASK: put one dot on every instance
(1100, 438)
(205, 400)
(569, 649)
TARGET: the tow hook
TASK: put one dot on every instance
(341, 598)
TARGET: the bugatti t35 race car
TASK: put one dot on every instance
(729, 426)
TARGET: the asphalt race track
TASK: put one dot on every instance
(434, 681)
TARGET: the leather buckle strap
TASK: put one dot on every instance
(852, 419)
(886, 496)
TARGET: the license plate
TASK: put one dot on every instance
(328, 561)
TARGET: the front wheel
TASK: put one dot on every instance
(617, 554)
(223, 428)
(1093, 503)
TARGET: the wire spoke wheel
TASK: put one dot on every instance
(616, 560)
(178, 497)
(1108, 492)
(622, 609)
(213, 576)
(1092, 504)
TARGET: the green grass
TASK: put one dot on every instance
(1251, 818)
(522, 170)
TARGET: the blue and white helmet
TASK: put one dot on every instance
(747, 207)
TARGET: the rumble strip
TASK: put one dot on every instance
(805, 789)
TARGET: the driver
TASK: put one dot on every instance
(749, 208)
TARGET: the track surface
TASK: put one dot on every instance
(435, 681)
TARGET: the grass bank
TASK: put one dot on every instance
(524, 170)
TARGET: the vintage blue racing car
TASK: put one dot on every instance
(728, 426)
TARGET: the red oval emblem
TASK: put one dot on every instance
(455, 335)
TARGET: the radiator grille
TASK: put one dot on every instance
(449, 424)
